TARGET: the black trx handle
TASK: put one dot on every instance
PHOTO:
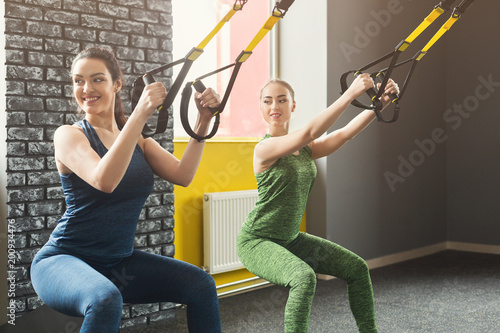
(186, 96)
(278, 13)
(394, 55)
(376, 105)
(200, 87)
(188, 60)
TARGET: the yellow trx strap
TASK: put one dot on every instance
(425, 24)
(268, 26)
(187, 61)
(446, 26)
(219, 26)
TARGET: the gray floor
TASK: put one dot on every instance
(446, 292)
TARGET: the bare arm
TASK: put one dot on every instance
(73, 152)
(330, 143)
(166, 165)
(267, 152)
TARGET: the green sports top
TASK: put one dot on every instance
(283, 192)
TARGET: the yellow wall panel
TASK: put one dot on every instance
(225, 166)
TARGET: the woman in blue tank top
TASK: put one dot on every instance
(89, 267)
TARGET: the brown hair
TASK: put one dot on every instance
(114, 69)
(285, 84)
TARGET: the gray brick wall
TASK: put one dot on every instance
(42, 38)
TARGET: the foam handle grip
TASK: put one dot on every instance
(199, 86)
(148, 79)
(393, 97)
(371, 92)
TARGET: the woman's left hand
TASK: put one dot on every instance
(207, 99)
(391, 88)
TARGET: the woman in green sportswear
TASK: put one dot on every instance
(270, 244)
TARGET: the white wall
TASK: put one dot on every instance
(303, 63)
(185, 37)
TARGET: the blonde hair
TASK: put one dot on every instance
(284, 83)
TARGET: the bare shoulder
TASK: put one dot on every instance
(67, 130)
(263, 157)
(69, 134)
(262, 148)
(66, 138)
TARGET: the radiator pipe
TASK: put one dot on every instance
(237, 282)
(243, 288)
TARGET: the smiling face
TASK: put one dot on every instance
(93, 86)
(277, 105)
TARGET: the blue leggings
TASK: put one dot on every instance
(97, 290)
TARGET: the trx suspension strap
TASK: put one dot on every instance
(278, 12)
(188, 60)
(385, 74)
(457, 13)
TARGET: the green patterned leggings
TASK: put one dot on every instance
(295, 264)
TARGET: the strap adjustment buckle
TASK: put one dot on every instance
(243, 56)
(281, 8)
(238, 5)
(193, 54)
(445, 5)
(402, 46)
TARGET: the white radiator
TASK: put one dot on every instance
(223, 216)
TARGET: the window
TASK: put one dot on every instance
(193, 20)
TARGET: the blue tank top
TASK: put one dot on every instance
(97, 223)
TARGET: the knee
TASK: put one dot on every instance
(207, 283)
(203, 286)
(358, 268)
(105, 300)
(305, 277)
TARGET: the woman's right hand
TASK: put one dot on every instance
(359, 86)
(152, 97)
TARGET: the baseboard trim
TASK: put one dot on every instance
(472, 247)
(406, 255)
(398, 257)
(425, 251)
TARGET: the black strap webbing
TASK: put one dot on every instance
(284, 5)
